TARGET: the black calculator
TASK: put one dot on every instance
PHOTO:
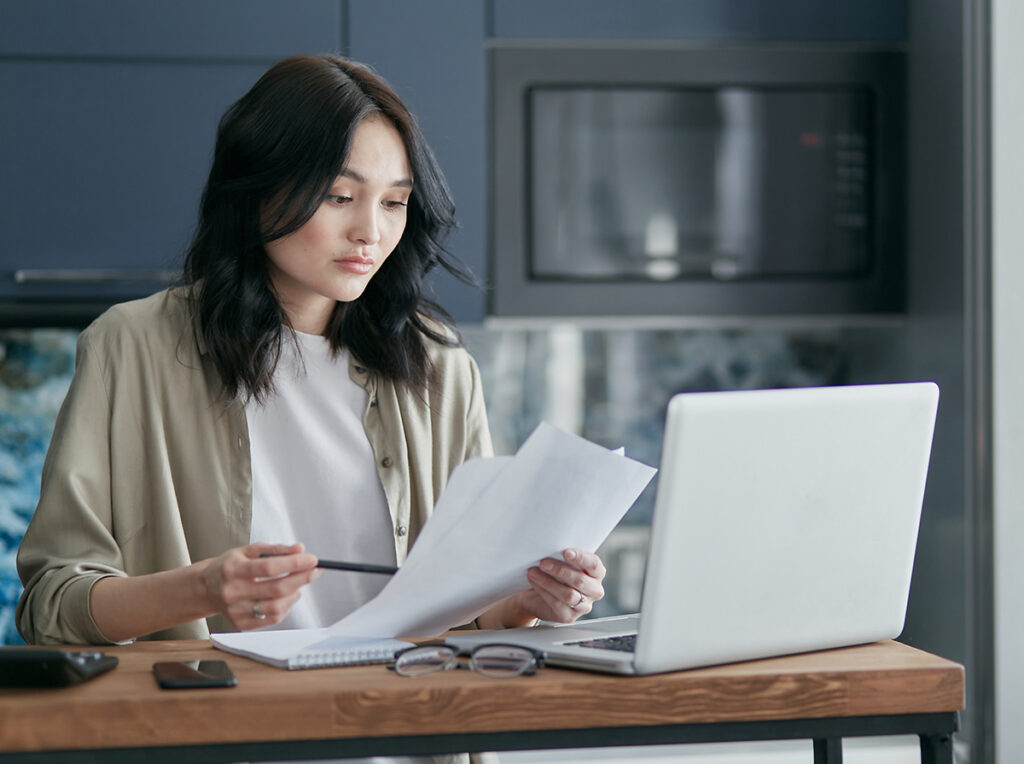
(35, 667)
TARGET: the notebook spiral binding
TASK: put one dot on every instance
(359, 656)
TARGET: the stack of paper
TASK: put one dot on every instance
(496, 518)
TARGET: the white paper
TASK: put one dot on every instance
(496, 518)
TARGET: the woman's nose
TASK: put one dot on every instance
(364, 226)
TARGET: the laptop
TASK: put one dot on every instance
(785, 521)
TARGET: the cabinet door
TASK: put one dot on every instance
(208, 29)
(106, 135)
(104, 163)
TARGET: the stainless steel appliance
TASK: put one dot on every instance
(672, 179)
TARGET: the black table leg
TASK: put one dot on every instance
(936, 749)
(829, 750)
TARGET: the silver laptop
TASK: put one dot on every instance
(785, 521)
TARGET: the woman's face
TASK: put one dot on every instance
(334, 255)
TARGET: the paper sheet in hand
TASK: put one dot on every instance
(496, 518)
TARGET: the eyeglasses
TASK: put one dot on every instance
(499, 661)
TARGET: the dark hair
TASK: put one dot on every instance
(279, 149)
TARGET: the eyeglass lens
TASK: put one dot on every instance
(501, 660)
(424, 660)
(490, 660)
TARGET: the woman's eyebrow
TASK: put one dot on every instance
(358, 178)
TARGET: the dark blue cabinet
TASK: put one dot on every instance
(104, 166)
(184, 29)
(110, 111)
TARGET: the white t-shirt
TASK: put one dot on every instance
(314, 479)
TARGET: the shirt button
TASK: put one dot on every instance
(240, 442)
(386, 461)
(373, 401)
(402, 530)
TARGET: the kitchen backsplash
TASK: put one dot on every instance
(610, 386)
(35, 370)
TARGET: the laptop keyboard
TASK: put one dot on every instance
(626, 643)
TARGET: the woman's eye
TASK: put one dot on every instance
(395, 205)
(339, 199)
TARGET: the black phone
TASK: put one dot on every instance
(182, 675)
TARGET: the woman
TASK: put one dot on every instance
(295, 388)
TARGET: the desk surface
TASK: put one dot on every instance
(125, 708)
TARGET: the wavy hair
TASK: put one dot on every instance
(279, 149)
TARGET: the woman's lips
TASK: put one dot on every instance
(357, 265)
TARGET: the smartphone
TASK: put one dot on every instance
(182, 675)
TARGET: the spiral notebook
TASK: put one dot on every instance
(307, 648)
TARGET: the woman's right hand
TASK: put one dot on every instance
(256, 585)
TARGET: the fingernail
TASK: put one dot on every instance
(571, 554)
(547, 565)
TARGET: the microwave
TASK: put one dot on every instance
(668, 180)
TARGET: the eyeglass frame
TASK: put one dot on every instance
(537, 659)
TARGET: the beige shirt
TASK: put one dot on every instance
(148, 470)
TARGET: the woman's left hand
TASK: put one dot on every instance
(560, 591)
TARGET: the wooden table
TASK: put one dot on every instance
(880, 689)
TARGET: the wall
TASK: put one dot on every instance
(1008, 371)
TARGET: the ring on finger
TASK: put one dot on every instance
(578, 602)
(256, 612)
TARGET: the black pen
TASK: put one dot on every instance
(359, 567)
